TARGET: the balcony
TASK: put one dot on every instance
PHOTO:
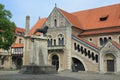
(56, 47)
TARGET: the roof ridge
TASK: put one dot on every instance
(73, 19)
(97, 8)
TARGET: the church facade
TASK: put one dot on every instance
(86, 40)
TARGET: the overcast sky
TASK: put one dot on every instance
(42, 8)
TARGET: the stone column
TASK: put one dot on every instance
(68, 48)
(26, 53)
(27, 25)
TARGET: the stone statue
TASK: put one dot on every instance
(42, 30)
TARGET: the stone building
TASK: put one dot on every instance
(17, 49)
(12, 58)
(86, 40)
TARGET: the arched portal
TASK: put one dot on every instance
(109, 62)
(55, 61)
(77, 65)
(17, 61)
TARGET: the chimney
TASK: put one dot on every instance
(27, 26)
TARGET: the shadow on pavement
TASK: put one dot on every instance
(34, 77)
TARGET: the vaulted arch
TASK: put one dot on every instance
(77, 65)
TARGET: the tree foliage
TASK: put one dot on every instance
(7, 28)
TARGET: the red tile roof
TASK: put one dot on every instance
(90, 19)
(17, 30)
(93, 45)
(101, 31)
(17, 45)
(37, 25)
(116, 44)
(71, 18)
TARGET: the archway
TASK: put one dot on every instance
(77, 65)
(55, 61)
(17, 61)
(109, 62)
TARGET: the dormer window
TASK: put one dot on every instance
(19, 33)
(104, 18)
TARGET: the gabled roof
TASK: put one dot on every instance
(17, 45)
(71, 18)
(116, 44)
(39, 24)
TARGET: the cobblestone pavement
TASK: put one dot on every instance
(14, 75)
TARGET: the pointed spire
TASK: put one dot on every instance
(39, 18)
(55, 5)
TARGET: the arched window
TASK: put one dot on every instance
(101, 42)
(105, 40)
(109, 38)
(75, 46)
(85, 51)
(78, 48)
(96, 58)
(55, 23)
(89, 55)
(81, 49)
(92, 56)
(49, 41)
(54, 42)
(60, 39)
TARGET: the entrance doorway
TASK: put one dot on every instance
(77, 65)
(109, 62)
(55, 61)
(110, 65)
(17, 60)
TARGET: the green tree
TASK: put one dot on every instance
(7, 28)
